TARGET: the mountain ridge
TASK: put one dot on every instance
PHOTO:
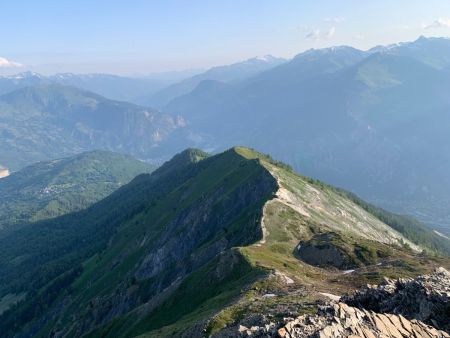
(220, 223)
(226, 74)
(114, 87)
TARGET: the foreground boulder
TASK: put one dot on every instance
(425, 298)
(417, 308)
(343, 321)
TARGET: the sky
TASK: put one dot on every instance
(136, 37)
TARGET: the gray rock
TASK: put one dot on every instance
(395, 308)
(426, 298)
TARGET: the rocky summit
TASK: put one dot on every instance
(403, 308)
(426, 298)
(341, 320)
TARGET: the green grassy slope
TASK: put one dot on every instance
(412, 230)
(409, 227)
(53, 188)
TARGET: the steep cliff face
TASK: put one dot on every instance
(220, 218)
(207, 208)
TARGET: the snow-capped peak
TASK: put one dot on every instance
(266, 58)
(23, 75)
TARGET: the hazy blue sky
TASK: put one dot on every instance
(149, 36)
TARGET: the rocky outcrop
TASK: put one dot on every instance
(343, 321)
(322, 251)
(426, 298)
(415, 308)
(324, 255)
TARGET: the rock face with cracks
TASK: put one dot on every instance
(426, 298)
(403, 308)
(342, 321)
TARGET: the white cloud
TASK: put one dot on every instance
(331, 32)
(317, 34)
(439, 23)
(327, 31)
(5, 63)
(334, 20)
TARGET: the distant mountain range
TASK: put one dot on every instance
(198, 245)
(229, 74)
(375, 122)
(154, 90)
(111, 86)
(46, 117)
(53, 188)
(49, 121)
